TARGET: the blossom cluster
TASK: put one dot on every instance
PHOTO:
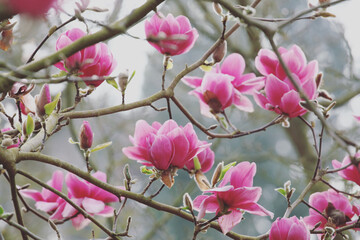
(89, 197)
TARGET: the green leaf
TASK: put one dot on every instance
(225, 169)
(101, 146)
(197, 164)
(132, 76)
(146, 171)
(60, 74)
(1, 211)
(113, 83)
(281, 191)
(49, 108)
(72, 141)
(30, 125)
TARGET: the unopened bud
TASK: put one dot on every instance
(324, 94)
(42, 99)
(123, 80)
(28, 125)
(217, 173)
(220, 52)
(218, 9)
(86, 135)
(188, 202)
(318, 80)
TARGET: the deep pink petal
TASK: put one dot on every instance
(266, 62)
(243, 174)
(193, 82)
(79, 222)
(184, 24)
(55, 182)
(162, 152)
(137, 153)
(76, 187)
(290, 102)
(208, 204)
(233, 65)
(33, 194)
(57, 215)
(181, 147)
(275, 89)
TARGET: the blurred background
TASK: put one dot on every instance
(281, 154)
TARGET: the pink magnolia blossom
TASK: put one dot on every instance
(231, 70)
(89, 197)
(46, 200)
(235, 194)
(206, 159)
(96, 60)
(35, 8)
(289, 229)
(357, 118)
(333, 205)
(351, 173)
(173, 36)
(164, 145)
(280, 95)
(86, 135)
(42, 99)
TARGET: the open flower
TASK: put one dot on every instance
(96, 60)
(35, 8)
(206, 159)
(166, 147)
(234, 195)
(352, 172)
(171, 36)
(336, 208)
(280, 94)
(89, 197)
(232, 69)
(46, 200)
(289, 229)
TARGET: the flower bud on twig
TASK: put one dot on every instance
(86, 135)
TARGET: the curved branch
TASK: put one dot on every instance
(119, 192)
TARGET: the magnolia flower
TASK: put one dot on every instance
(95, 60)
(166, 147)
(21, 92)
(352, 172)
(335, 207)
(169, 35)
(35, 8)
(206, 159)
(89, 197)
(280, 95)
(289, 229)
(86, 135)
(42, 99)
(234, 196)
(230, 71)
(46, 200)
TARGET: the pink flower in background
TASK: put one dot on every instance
(289, 229)
(46, 200)
(280, 95)
(351, 173)
(357, 118)
(236, 194)
(21, 92)
(177, 34)
(230, 71)
(86, 135)
(35, 8)
(164, 145)
(89, 197)
(94, 60)
(206, 159)
(333, 205)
